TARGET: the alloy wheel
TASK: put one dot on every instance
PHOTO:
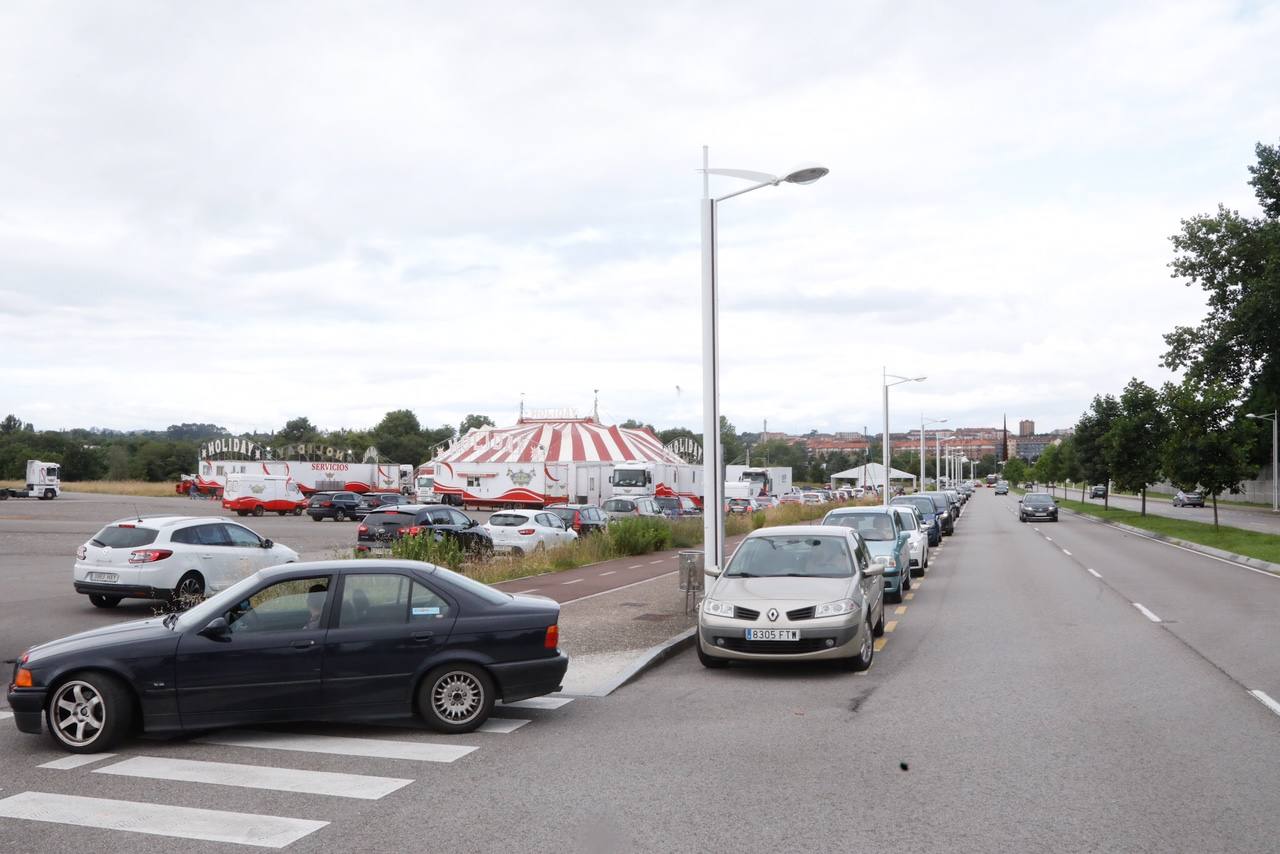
(78, 713)
(457, 697)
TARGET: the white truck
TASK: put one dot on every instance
(262, 493)
(773, 480)
(44, 481)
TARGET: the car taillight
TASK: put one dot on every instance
(148, 555)
(577, 521)
(526, 531)
(326, 503)
(363, 529)
(552, 639)
(81, 553)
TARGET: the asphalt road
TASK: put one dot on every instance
(1020, 703)
(1250, 519)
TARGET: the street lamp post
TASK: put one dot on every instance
(884, 446)
(924, 424)
(712, 450)
(1274, 418)
(939, 465)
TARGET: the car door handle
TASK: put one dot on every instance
(423, 636)
(302, 644)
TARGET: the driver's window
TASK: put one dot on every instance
(292, 605)
(441, 517)
(460, 518)
(242, 537)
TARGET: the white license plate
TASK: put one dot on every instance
(773, 634)
(104, 576)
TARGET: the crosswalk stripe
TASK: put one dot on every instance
(417, 751)
(256, 777)
(501, 725)
(75, 760)
(263, 831)
(539, 703)
(5, 714)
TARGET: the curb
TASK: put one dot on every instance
(1243, 560)
(649, 659)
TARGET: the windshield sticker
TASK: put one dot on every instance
(426, 612)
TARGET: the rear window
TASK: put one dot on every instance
(618, 505)
(475, 588)
(565, 513)
(397, 517)
(668, 503)
(117, 537)
(508, 520)
(872, 526)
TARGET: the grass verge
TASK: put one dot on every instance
(1235, 540)
(110, 487)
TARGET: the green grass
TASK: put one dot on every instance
(1235, 540)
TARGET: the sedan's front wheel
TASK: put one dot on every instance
(88, 713)
(709, 661)
(455, 698)
(339, 516)
(866, 651)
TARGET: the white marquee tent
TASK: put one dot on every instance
(871, 474)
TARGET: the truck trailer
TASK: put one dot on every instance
(773, 480)
(44, 481)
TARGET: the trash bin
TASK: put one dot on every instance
(691, 571)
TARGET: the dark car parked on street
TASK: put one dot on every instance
(944, 507)
(338, 506)
(929, 515)
(371, 501)
(333, 640)
(583, 518)
(1037, 505)
(385, 525)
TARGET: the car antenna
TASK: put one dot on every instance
(137, 513)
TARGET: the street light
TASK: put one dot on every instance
(1274, 418)
(712, 452)
(884, 446)
(938, 463)
(924, 424)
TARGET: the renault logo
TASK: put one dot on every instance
(773, 615)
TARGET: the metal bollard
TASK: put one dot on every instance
(691, 579)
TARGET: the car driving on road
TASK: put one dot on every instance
(1037, 505)
(794, 593)
(170, 557)
(1194, 498)
(312, 641)
(1098, 490)
(1002, 487)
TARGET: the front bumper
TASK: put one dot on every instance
(520, 680)
(28, 707)
(811, 646)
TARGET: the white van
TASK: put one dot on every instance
(259, 493)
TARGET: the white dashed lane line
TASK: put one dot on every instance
(1262, 698)
(1067, 553)
(1146, 612)
(1094, 572)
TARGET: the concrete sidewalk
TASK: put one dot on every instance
(617, 618)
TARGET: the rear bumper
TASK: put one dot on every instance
(124, 591)
(519, 680)
(28, 707)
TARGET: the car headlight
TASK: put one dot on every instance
(836, 609)
(887, 561)
(717, 609)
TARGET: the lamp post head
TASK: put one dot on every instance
(806, 174)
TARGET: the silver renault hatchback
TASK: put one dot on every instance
(801, 592)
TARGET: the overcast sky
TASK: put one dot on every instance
(243, 212)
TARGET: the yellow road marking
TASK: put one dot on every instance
(891, 625)
(880, 644)
(901, 609)
(909, 596)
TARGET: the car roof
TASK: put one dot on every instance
(315, 566)
(850, 511)
(170, 521)
(802, 530)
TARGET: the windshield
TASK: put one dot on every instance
(1037, 499)
(121, 537)
(216, 605)
(876, 527)
(508, 520)
(426, 483)
(921, 503)
(618, 505)
(628, 477)
(668, 503)
(780, 556)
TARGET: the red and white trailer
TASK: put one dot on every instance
(548, 461)
(310, 477)
(263, 493)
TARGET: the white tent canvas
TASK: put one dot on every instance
(869, 475)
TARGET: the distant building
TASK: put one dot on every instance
(823, 447)
(1026, 427)
(1031, 447)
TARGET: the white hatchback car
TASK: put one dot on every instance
(918, 545)
(168, 557)
(520, 531)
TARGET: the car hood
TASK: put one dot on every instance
(887, 548)
(131, 632)
(780, 589)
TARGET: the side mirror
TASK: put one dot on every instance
(266, 544)
(611, 480)
(472, 523)
(903, 538)
(873, 569)
(217, 628)
(714, 572)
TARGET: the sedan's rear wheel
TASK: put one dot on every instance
(339, 515)
(190, 588)
(866, 650)
(455, 698)
(101, 600)
(89, 712)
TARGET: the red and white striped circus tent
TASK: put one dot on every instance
(542, 461)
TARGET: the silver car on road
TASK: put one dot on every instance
(799, 592)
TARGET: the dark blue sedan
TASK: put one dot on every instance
(335, 640)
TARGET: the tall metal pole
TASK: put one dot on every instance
(937, 460)
(884, 444)
(920, 488)
(1275, 469)
(713, 482)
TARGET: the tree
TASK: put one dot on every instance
(1069, 467)
(1016, 470)
(474, 422)
(1090, 439)
(734, 449)
(1206, 444)
(296, 430)
(1134, 444)
(1235, 260)
(1048, 468)
(10, 424)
